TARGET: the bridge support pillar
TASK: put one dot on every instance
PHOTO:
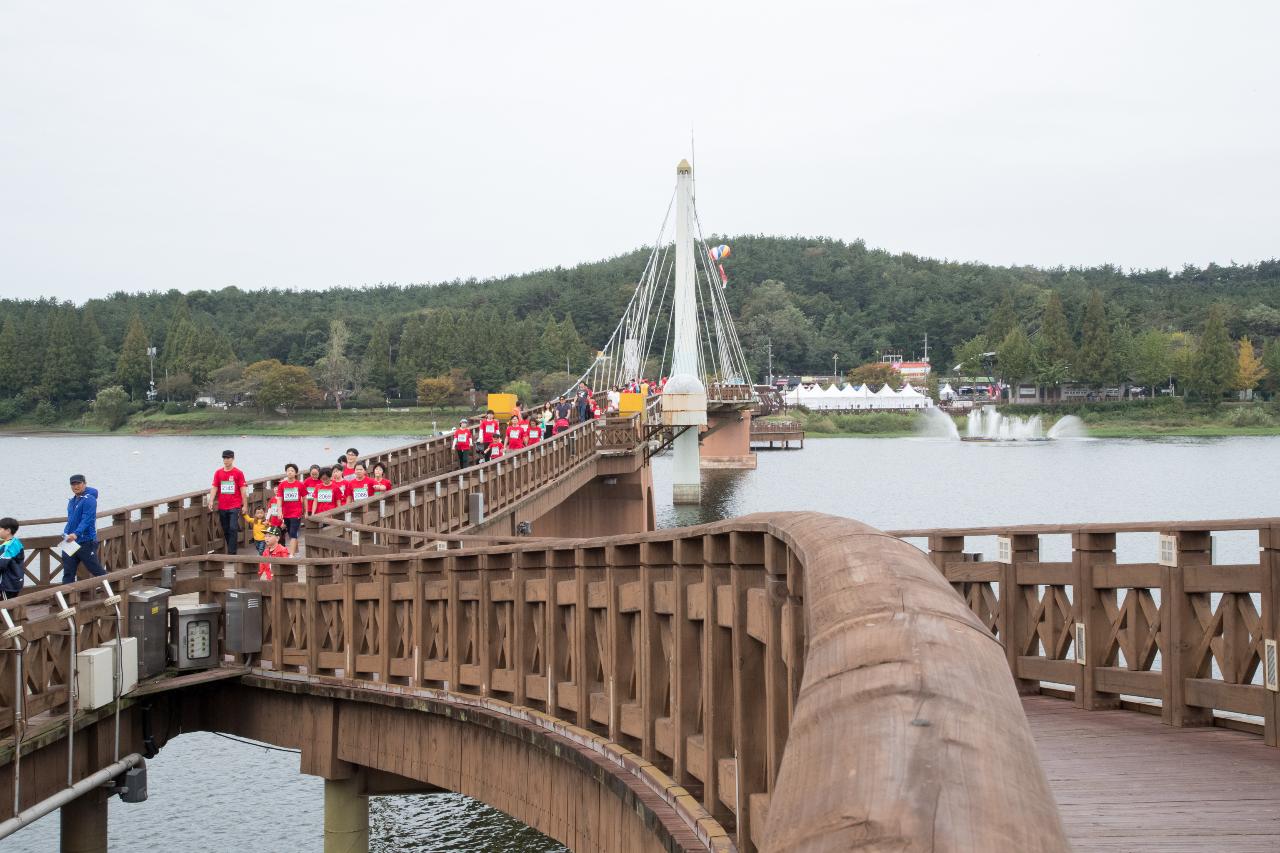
(346, 815)
(84, 824)
(727, 441)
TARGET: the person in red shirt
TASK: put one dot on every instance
(328, 492)
(462, 443)
(359, 487)
(495, 449)
(489, 430)
(380, 482)
(228, 496)
(533, 435)
(273, 548)
(348, 464)
(291, 496)
(515, 432)
(309, 486)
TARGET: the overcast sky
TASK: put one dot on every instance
(311, 144)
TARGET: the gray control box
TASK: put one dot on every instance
(193, 636)
(148, 621)
(244, 621)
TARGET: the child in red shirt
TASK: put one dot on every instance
(515, 433)
(291, 497)
(380, 482)
(309, 486)
(328, 493)
(273, 548)
(495, 449)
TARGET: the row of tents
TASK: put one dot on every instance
(851, 398)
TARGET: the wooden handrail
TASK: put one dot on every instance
(757, 662)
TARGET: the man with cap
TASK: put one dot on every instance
(228, 496)
(462, 443)
(82, 529)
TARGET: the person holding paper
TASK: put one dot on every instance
(228, 497)
(81, 531)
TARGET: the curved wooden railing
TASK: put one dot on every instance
(1179, 635)
(795, 681)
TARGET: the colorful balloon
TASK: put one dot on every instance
(719, 253)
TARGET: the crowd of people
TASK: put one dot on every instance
(275, 527)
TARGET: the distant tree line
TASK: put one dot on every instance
(802, 299)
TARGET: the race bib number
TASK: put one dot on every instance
(227, 487)
(325, 496)
(291, 494)
(360, 494)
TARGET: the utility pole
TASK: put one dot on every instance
(151, 354)
(835, 360)
(926, 346)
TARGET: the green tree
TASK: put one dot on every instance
(96, 361)
(377, 358)
(1149, 364)
(875, 374)
(1271, 362)
(334, 369)
(12, 379)
(1014, 356)
(1095, 365)
(62, 378)
(133, 369)
(1003, 320)
(970, 356)
(111, 407)
(434, 391)
(1053, 341)
(932, 387)
(1214, 372)
(275, 385)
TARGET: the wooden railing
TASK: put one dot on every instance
(441, 504)
(1180, 636)
(809, 682)
(182, 525)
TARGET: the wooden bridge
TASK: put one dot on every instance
(782, 682)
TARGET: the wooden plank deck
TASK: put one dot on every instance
(1126, 782)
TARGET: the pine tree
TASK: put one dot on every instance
(413, 345)
(11, 378)
(1014, 356)
(334, 370)
(1214, 369)
(1054, 341)
(133, 370)
(1095, 365)
(1249, 368)
(1003, 320)
(96, 360)
(1271, 362)
(62, 378)
(377, 358)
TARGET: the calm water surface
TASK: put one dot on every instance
(251, 799)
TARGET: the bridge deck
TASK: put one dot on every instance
(1125, 781)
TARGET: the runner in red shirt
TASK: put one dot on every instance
(349, 464)
(462, 443)
(273, 548)
(534, 434)
(489, 430)
(515, 433)
(291, 493)
(495, 449)
(380, 482)
(228, 496)
(359, 487)
(328, 492)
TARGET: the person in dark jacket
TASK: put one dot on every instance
(82, 529)
(12, 559)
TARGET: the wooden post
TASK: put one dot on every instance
(686, 657)
(945, 549)
(654, 674)
(717, 690)
(1015, 614)
(750, 732)
(1269, 558)
(1182, 631)
(1090, 550)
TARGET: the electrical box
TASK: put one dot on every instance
(193, 636)
(95, 678)
(148, 622)
(132, 785)
(129, 662)
(244, 621)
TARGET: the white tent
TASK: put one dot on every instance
(913, 399)
(946, 392)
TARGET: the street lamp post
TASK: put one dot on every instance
(151, 354)
(835, 370)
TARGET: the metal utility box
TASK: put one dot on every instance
(244, 621)
(148, 621)
(129, 662)
(95, 678)
(193, 636)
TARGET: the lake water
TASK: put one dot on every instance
(241, 792)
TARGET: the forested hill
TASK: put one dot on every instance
(810, 297)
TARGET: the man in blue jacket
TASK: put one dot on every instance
(82, 529)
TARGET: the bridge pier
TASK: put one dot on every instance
(727, 441)
(609, 505)
(346, 815)
(84, 824)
